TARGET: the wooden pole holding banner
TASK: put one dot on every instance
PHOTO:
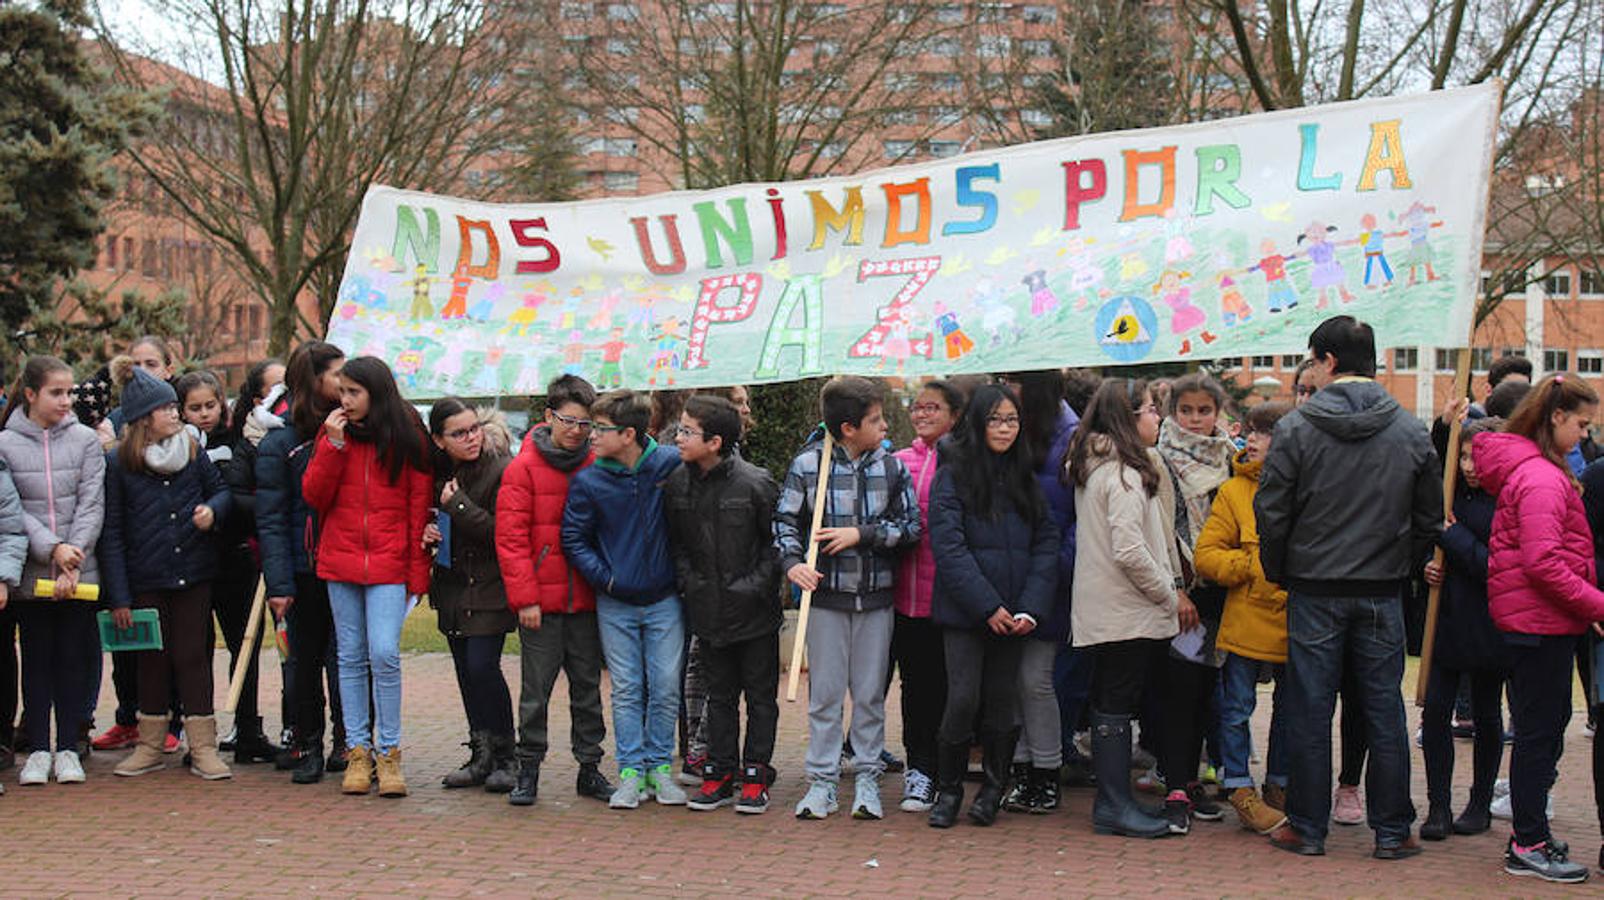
(820, 495)
(1450, 478)
(248, 648)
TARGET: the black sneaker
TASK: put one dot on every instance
(1178, 812)
(528, 787)
(592, 783)
(337, 761)
(1203, 808)
(1545, 862)
(891, 762)
(1022, 793)
(310, 769)
(754, 797)
(717, 790)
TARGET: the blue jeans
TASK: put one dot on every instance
(644, 647)
(1239, 684)
(1324, 634)
(367, 634)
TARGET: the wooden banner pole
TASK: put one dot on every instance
(247, 650)
(1450, 479)
(820, 495)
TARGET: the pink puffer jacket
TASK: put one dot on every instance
(1541, 577)
(916, 573)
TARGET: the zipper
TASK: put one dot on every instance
(921, 485)
(367, 468)
(50, 497)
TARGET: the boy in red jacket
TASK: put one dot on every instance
(556, 607)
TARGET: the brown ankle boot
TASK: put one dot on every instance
(203, 758)
(391, 784)
(358, 771)
(147, 755)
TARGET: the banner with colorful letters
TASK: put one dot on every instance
(1217, 239)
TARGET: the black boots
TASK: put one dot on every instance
(996, 754)
(310, 769)
(523, 793)
(250, 744)
(1439, 823)
(1115, 811)
(503, 774)
(951, 762)
(592, 783)
(472, 773)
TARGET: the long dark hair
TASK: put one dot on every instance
(248, 394)
(35, 372)
(1040, 394)
(306, 365)
(982, 475)
(441, 412)
(391, 425)
(1111, 416)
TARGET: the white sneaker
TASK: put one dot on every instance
(918, 792)
(630, 791)
(1502, 809)
(1501, 788)
(866, 797)
(68, 769)
(818, 802)
(37, 769)
(660, 783)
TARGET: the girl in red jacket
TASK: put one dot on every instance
(370, 486)
(1542, 591)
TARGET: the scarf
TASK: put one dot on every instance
(559, 459)
(1199, 464)
(261, 419)
(171, 455)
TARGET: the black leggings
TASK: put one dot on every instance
(983, 680)
(1185, 689)
(918, 649)
(1119, 672)
(313, 628)
(1355, 740)
(484, 689)
(55, 668)
(1437, 739)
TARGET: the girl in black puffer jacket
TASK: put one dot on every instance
(163, 497)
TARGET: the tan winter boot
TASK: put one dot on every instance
(1253, 812)
(203, 758)
(358, 771)
(147, 756)
(391, 784)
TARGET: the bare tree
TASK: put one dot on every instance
(282, 114)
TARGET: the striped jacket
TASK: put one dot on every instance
(873, 493)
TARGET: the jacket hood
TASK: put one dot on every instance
(1498, 455)
(1242, 466)
(21, 424)
(1351, 410)
(497, 436)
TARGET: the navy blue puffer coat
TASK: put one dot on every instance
(150, 542)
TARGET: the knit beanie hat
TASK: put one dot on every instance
(144, 394)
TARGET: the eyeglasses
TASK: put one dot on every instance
(1147, 409)
(462, 434)
(925, 409)
(606, 429)
(1002, 421)
(1304, 390)
(692, 433)
(571, 422)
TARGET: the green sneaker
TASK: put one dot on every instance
(630, 791)
(661, 782)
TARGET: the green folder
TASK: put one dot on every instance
(144, 634)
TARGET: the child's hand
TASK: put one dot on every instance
(66, 583)
(280, 605)
(448, 491)
(335, 425)
(1434, 573)
(529, 617)
(834, 540)
(431, 535)
(66, 556)
(1186, 611)
(803, 576)
(5, 594)
(122, 618)
(1001, 621)
(204, 517)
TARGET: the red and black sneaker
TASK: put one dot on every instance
(717, 790)
(755, 781)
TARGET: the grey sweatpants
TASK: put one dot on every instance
(1040, 737)
(847, 651)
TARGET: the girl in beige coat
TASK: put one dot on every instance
(1125, 589)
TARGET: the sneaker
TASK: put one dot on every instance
(1203, 808)
(660, 783)
(1209, 775)
(754, 797)
(1501, 788)
(891, 762)
(1463, 729)
(1150, 782)
(866, 797)
(631, 790)
(690, 773)
(589, 783)
(170, 743)
(818, 802)
(117, 737)
(1502, 808)
(1402, 850)
(1347, 808)
(68, 769)
(1178, 812)
(717, 791)
(1021, 796)
(37, 769)
(918, 792)
(1543, 861)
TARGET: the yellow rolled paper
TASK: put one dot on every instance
(45, 588)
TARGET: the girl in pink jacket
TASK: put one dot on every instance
(1542, 591)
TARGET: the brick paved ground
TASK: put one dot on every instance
(171, 834)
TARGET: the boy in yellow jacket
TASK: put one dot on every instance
(1253, 630)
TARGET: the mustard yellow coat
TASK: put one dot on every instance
(1255, 621)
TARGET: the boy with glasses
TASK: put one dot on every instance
(614, 533)
(556, 608)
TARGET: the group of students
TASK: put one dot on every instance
(622, 535)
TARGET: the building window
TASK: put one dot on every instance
(825, 10)
(900, 117)
(943, 47)
(1556, 360)
(128, 254)
(621, 46)
(1039, 15)
(1036, 48)
(1590, 362)
(1513, 351)
(1481, 359)
(1036, 118)
(575, 10)
(695, 112)
(622, 12)
(1515, 282)
(1262, 362)
(950, 14)
(946, 81)
(621, 181)
(992, 45)
(111, 253)
(1557, 283)
(623, 115)
(1291, 360)
(1405, 359)
(992, 12)
(902, 81)
(1591, 281)
(898, 149)
(944, 149)
(1445, 360)
(256, 323)
(827, 48)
